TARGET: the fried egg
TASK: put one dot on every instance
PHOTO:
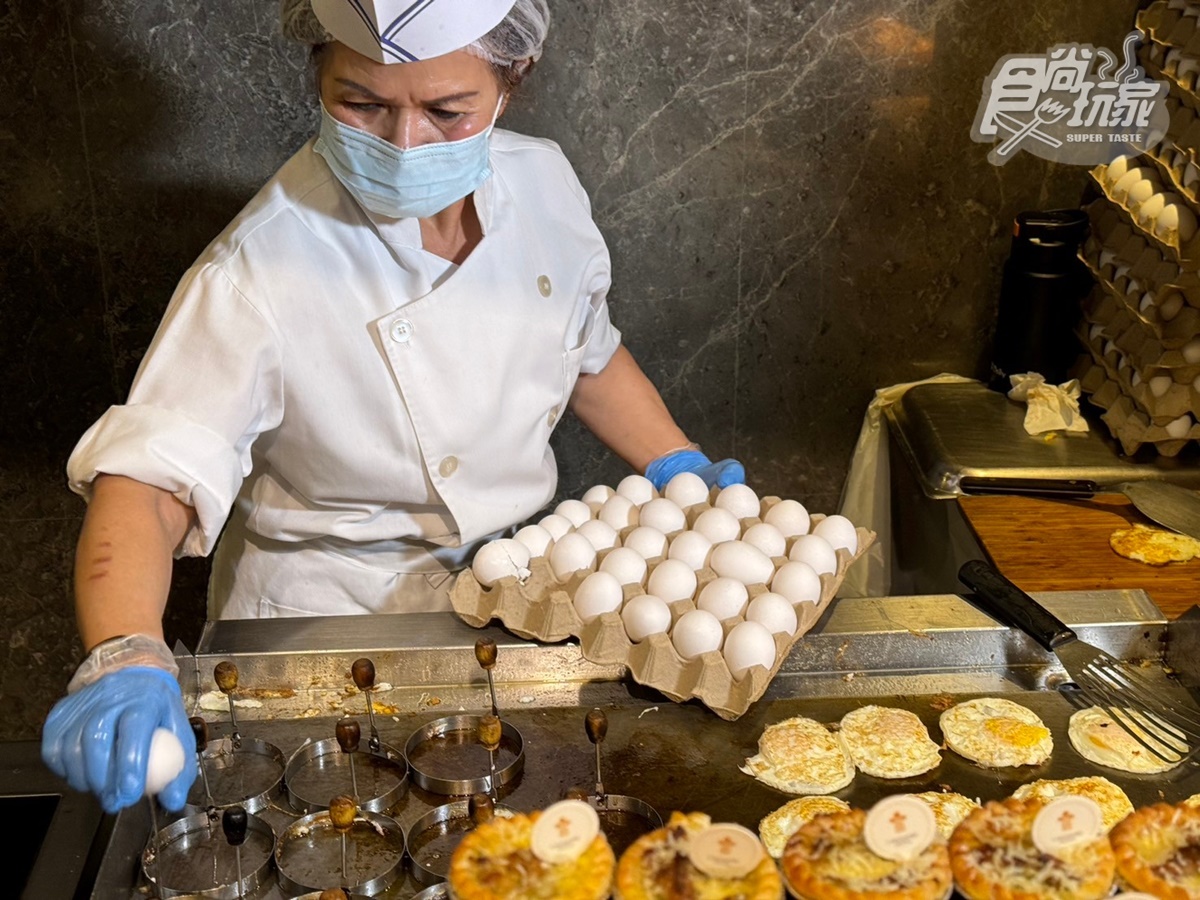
(1114, 805)
(1099, 739)
(801, 756)
(996, 733)
(948, 809)
(1153, 546)
(776, 827)
(888, 743)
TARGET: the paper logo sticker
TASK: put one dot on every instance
(1066, 821)
(725, 851)
(899, 827)
(563, 831)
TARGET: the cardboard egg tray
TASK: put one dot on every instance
(1163, 397)
(1128, 424)
(541, 609)
(1175, 65)
(1167, 26)
(1184, 251)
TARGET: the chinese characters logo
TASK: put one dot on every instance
(1069, 105)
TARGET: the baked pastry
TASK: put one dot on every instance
(1158, 851)
(993, 856)
(656, 867)
(828, 859)
(801, 756)
(995, 732)
(1113, 802)
(776, 827)
(495, 861)
(889, 743)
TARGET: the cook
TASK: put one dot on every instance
(356, 383)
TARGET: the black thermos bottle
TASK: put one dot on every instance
(1044, 282)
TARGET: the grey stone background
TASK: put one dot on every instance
(796, 212)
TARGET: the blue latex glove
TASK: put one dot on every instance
(98, 738)
(715, 474)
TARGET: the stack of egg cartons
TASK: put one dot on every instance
(1142, 321)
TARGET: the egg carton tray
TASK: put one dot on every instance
(541, 609)
(1131, 427)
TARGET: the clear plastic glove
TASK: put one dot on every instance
(715, 474)
(98, 738)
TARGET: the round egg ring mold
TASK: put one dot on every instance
(187, 833)
(318, 753)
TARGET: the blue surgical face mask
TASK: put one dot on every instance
(404, 183)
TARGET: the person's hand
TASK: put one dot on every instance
(98, 738)
(715, 474)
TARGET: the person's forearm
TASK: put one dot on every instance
(124, 558)
(624, 410)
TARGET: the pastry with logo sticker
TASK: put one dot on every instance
(660, 866)
(995, 732)
(1158, 851)
(776, 827)
(994, 856)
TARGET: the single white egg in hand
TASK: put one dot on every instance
(164, 762)
(599, 593)
(839, 531)
(600, 535)
(663, 514)
(628, 566)
(671, 580)
(637, 488)
(500, 559)
(574, 511)
(697, 632)
(740, 500)
(556, 525)
(686, 489)
(789, 516)
(718, 525)
(536, 538)
(572, 553)
(816, 551)
(649, 542)
(692, 548)
(749, 644)
(773, 612)
(724, 598)
(619, 512)
(797, 581)
(767, 538)
(742, 562)
(597, 493)
(645, 615)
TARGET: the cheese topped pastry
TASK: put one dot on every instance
(1097, 738)
(1158, 851)
(1114, 804)
(828, 859)
(994, 857)
(801, 756)
(776, 827)
(995, 732)
(888, 742)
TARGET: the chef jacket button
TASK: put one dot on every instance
(402, 331)
(544, 285)
(448, 466)
(553, 417)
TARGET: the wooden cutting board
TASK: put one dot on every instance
(1062, 545)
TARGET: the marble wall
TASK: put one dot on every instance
(796, 212)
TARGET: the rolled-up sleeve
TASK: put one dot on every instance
(210, 383)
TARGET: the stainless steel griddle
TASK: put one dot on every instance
(914, 652)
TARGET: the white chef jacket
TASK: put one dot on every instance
(359, 410)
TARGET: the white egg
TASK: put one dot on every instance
(500, 559)
(742, 562)
(816, 551)
(718, 525)
(597, 493)
(692, 547)
(686, 489)
(672, 579)
(572, 553)
(749, 644)
(647, 541)
(637, 488)
(725, 598)
(164, 762)
(789, 516)
(839, 531)
(536, 538)
(645, 615)
(1191, 351)
(628, 566)
(773, 612)
(663, 514)
(740, 500)
(619, 512)
(695, 633)
(767, 538)
(599, 593)
(1179, 428)
(556, 525)
(600, 535)
(574, 511)
(797, 581)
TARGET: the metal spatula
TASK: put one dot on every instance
(1158, 714)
